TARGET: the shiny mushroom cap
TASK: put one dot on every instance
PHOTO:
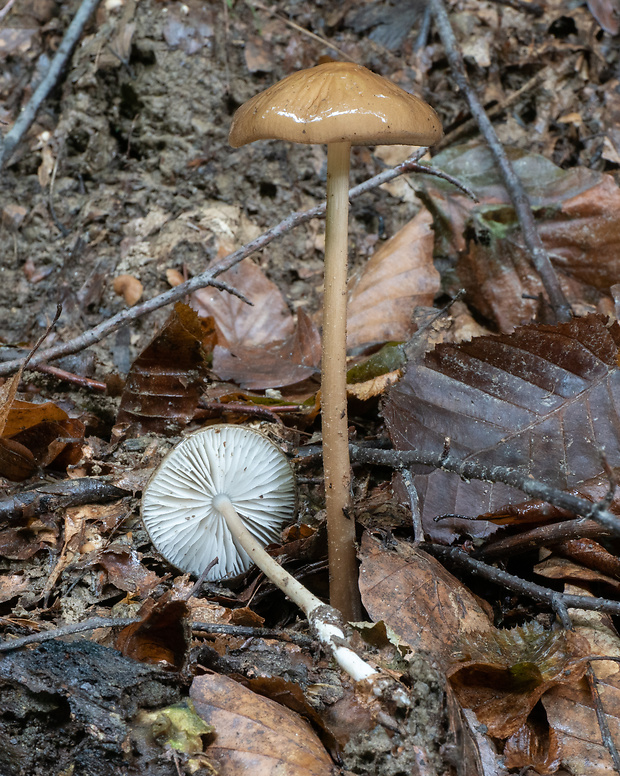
(177, 504)
(336, 102)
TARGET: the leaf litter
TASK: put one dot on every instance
(153, 203)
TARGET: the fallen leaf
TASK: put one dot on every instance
(542, 400)
(427, 607)
(254, 734)
(574, 211)
(166, 380)
(129, 287)
(126, 572)
(501, 674)
(162, 637)
(275, 364)
(399, 276)
(266, 320)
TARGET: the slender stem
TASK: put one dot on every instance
(278, 575)
(329, 633)
(343, 589)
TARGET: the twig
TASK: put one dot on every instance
(564, 617)
(529, 86)
(520, 200)
(6, 8)
(512, 582)
(601, 718)
(303, 31)
(472, 470)
(247, 631)
(414, 504)
(197, 586)
(116, 622)
(543, 536)
(27, 116)
(124, 317)
(67, 630)
(58, 495)
(69, 377)
(211, 409)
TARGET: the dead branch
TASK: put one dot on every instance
(472, 470)
(512, 582)
(207, 277)
(117, 622)
(27, 116)
(58, 495)
(520, 200)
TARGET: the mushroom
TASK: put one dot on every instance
(340, 104)
(220, 464)
(224, 492)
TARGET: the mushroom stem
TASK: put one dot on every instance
(317, 613)
(343, 589)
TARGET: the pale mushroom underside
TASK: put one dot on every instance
(177, 508)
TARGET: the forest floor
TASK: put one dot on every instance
(124, 187)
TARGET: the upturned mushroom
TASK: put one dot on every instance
(224, 493)
(340, 104)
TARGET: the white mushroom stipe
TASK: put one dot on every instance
(329, 634)
(178, 503)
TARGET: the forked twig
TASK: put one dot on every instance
(472, 470)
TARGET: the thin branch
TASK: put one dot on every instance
(117, 622)
(542, 536)
(520, 200)
(206, 278)
(512, 582)
(28, 114)
(58, 495)
(247, 631)
(67, 630)
(472, 470)
(496, 110)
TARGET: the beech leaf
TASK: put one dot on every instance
(399, 277)
(166, 380)
(255, 734)
(544, 400)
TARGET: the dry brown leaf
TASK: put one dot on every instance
(254, 734)
(575, 212)
(567, 570)
(13, 585)
(24, 542)
(129, 287)
(424, 604)
(501, 674)
(162, 637)
(126, 572)
(165, 381)
(399, 276)
(267, 320)
(274, 365)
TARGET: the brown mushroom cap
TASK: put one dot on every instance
(336, 102)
